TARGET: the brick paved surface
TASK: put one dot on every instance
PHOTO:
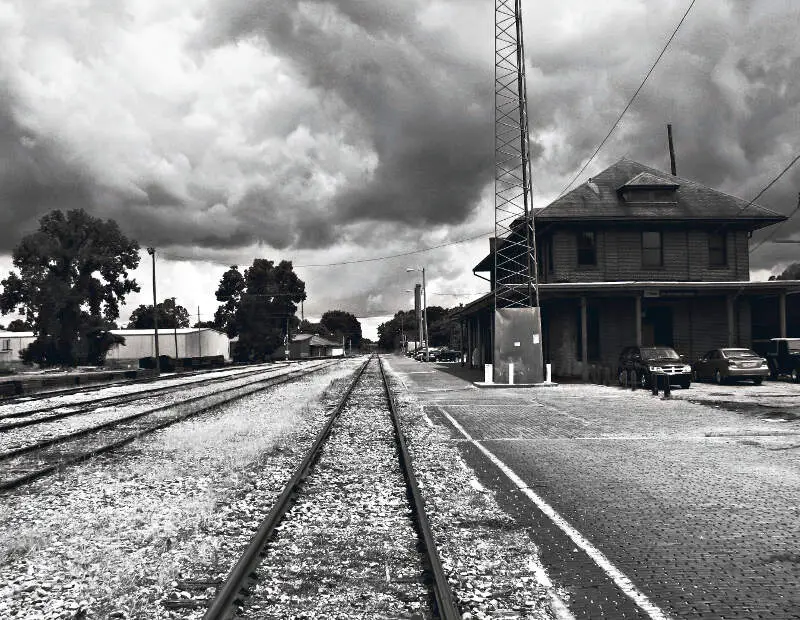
(698, 505)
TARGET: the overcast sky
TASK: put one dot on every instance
(224, 130)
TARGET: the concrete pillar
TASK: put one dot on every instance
(782, 313)
(584, 341)
(729, 303)
(638, 319)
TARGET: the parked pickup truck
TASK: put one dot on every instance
(782, 355)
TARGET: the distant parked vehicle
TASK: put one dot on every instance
(721, 365)
(448, 355)
(782, 355)
(640, 364)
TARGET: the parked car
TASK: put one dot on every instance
(640, 363)
(782, 355)
(448, 355)
(722, 365)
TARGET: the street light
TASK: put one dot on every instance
(424, 312)
(152, 252)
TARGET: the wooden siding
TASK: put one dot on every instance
(619, 257)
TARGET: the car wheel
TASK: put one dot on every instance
(795, 375)
(717, 377)
(758, 380)
(685, 384)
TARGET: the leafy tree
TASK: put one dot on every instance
(170, 315)
(342, 324)
(73, 274)
(792, 272)
(439, 326)
(390, 332)
(200, 324)
(229, 292)
(258, 306)
(18, 325)
(307, 327)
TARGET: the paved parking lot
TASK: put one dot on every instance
(694, 499)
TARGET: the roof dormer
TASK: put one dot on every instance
(649, 188)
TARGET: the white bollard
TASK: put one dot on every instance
(549, 373)
(511, 373)
(487, 373)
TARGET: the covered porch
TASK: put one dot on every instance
(586, 325)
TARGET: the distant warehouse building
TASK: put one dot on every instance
(312, 345)
(176, 343)
(139, 343)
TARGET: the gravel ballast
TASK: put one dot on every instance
(347, 548)
(112, 537)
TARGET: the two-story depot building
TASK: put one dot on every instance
(639, 256)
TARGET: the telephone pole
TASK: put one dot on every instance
(152, 252)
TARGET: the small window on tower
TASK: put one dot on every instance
(587, 248)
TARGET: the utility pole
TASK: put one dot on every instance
(152, 252)
(199, 339)
(175, 329)
(286, 341)
(425, 318)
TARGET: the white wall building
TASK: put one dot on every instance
(11, 343)
(190, 341)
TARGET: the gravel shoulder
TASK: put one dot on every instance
(492, 563)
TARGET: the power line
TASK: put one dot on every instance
(630, 101)
(177, 257)
(770, 235)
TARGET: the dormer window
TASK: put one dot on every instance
(649, 195)
(649, 188)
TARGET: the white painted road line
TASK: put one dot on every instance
(619, 578)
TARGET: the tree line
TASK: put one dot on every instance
(72, 274)
(404, 322)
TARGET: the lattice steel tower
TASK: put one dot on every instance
(515, 275)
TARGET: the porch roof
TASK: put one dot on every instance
(552, 290)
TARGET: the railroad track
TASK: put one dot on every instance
(349, 520)
(94, 387)
(38, 415)
(25, 464)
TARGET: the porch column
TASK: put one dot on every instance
(731, 326)
(638, 320)
(782, 313)
(469, 342)
(584, 342)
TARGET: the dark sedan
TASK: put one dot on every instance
(641, 364)
(721, 365)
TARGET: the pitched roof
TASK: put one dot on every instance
(694, 201)
(315, 341)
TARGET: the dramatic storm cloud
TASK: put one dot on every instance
(325, 131)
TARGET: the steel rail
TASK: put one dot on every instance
(445, 607)
(116, 399)
(223, 605)
(12, 483)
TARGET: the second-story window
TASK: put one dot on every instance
(652, 252)
(717, 250)
(587, 248)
